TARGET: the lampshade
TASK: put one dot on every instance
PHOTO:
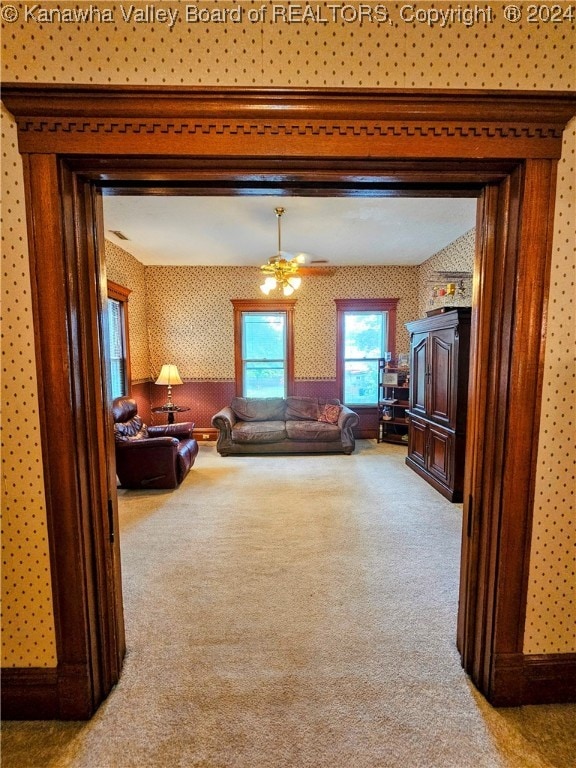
(169, 376)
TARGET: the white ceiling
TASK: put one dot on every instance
(242, 230)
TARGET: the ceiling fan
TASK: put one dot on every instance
(285, 270)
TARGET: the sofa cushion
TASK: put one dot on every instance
(133, 429)
(306, 408)
(330, 413)
(312, 431)
(258, 408)
(258, 431)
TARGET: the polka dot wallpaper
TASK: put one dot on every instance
(182, 329)
(338, 46)
(424, 51)
(551, 615)
(27, 620)
(200, 303)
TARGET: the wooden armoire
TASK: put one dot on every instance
(439, 362)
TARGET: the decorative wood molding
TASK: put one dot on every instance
(280, 129)
(449, 121)
(118, 292)
(500, 145)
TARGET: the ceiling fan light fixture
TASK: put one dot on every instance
(295, 282)
(281, 271)
(268, 285)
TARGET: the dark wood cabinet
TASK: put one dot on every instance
(439, 362)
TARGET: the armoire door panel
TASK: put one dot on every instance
(441, 379)
(419, 372)
(440, 455)
(417, 442)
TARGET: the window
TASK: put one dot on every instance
(118, 348)
(264, 347)
(366, 332)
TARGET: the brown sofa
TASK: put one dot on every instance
(150, 457)
(290, 425)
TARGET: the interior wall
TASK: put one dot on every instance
(489, 54)
(196, 331)
(184, 316)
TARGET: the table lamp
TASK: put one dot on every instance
(169, 376)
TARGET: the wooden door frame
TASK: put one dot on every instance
(503, 146)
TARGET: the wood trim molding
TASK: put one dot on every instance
(500, 145)
(118, 292)
(534, 679)
(264, 305)
(448, 123)
(30, 693)
(361, 305)
(121, 294)
(198, 434)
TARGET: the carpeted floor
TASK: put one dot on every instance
(294, 612)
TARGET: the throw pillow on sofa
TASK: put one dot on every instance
(330, 413)
(306, 408)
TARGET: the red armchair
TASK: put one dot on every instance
(150, 457)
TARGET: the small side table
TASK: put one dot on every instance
(170, 411)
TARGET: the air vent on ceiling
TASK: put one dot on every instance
(119, 235)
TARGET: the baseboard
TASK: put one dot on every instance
(520, 679)
(48, 693)
(204, 434)
(550, 678)
(30, 693)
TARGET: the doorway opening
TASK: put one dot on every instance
(501, 146)
(183, 295)
(226, 238)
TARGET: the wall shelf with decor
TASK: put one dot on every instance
(393, 393)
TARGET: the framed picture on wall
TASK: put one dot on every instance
(390, 380)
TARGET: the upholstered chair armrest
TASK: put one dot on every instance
(180, 430)
(348, 418)
(148, 443)
(224, 419)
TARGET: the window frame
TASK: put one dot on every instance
(343, 306)
(242, 306)
(119, 293)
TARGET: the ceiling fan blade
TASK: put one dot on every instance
(307, 271)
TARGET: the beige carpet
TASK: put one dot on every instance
(294, 612)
